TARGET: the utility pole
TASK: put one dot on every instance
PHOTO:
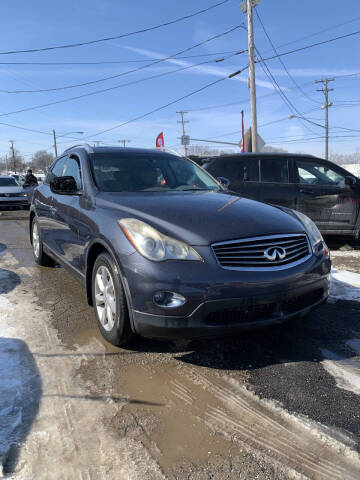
(326, 106)
(12, 155)
(248, 9)
(55, 146)
(182, 121)
(124, 142)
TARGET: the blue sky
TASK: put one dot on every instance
(291, 24)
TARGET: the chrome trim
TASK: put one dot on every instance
(270, 268)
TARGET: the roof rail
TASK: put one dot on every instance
(87, 147)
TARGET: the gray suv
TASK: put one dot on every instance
(164, 251)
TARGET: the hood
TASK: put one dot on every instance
(14, 189)
(201, 218)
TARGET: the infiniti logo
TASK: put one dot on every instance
(275, 253)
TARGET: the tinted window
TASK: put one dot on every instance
(274, 170)
(235, 169)
(135, 173)
(314, 173)
(8, 182)
(73, 170)
(56, 170)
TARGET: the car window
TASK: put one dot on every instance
(235, 169)
(313, 173)
(274, 170)
(72, 169)
(57, 169)
(140, 173)
(8, 182)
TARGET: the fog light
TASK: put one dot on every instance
(168, 299)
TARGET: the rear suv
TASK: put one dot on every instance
(323, 191)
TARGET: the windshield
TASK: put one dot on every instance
(8, 182)
(147, 173)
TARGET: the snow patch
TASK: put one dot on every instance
(344, 285)
(346, 371)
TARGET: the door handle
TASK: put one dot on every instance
(52, 210)
(307, 192)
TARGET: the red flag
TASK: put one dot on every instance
(160, 142)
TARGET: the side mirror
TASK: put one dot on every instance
(225, 182)
(350, 181)
(64, 186)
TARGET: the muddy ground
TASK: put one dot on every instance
(260, 406)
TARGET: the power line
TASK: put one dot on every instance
(105, 62)
(134, 70)
(319, 32)
(116, 37)
(133, 82)
(306, 47)
(140, 117)
(281, 93)
(281, 61)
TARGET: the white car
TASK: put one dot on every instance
(12, 194)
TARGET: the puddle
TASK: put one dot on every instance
(194, 416)
(181, 433)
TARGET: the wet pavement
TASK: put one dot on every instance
(262, 406)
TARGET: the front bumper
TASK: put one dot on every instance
(231, 316)
(9, 202)
(220, 301)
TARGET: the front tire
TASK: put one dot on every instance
(40, 257)
(109, 301)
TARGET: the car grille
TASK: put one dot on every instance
(263, 253)
(9, 195)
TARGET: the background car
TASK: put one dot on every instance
(323, 191)
(12, 194)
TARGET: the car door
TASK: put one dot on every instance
(276, 186)
(43, 201)
(243, 173)
(65, 217)
(324, 196)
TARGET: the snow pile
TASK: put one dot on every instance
(346, 371)
(344, 285)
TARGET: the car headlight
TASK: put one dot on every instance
(312, 230)
(154, 245)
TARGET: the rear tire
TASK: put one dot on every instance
(40, 257)
(111, 310)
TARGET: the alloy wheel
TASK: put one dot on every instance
(36, 240)
(105, 298)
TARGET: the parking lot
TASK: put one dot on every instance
(276, 403)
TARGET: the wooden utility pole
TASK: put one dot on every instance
(247, 7)
(55, 146)
(182, 121)
(326, 106)
(13, 163)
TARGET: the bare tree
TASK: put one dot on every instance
(344, 158)
(270, 149)
(41, 160)
(203, 151)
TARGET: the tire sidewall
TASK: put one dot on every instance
(121, 331)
